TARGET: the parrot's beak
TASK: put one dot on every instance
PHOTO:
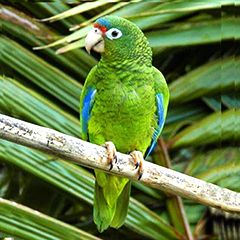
(95, 41)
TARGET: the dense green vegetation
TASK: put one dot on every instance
(194, 45)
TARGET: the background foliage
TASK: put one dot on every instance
(194, 45)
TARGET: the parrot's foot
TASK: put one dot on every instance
(138, 162)
(111, 153)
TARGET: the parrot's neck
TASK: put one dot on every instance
(126, 63)
(140, 56)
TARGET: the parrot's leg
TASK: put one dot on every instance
(111, 153)
(138, 161)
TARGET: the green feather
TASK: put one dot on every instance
(112, 186)
(122, 207)
(111, 195)
(102, 213)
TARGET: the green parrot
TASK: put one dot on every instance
(123, 106)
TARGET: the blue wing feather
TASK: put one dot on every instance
(160, 120)
(86, 110)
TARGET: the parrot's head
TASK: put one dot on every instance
(116, 38)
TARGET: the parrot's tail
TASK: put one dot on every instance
(111, 200)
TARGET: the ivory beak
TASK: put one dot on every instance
(94, 40)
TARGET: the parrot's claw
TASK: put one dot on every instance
(111, 153)
(136, 165)
(138, 162)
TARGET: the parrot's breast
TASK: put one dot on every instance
(124, 110)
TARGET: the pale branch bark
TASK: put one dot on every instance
(93, 156)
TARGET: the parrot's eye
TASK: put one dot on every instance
(113, 33)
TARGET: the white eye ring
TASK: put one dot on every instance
(113, 33)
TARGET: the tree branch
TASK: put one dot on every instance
(178, 217)
(94, 156)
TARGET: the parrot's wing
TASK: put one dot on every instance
(86, 103)
(160, 122)
(162, 99)
(86, 110)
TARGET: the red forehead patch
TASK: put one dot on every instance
(100, 27)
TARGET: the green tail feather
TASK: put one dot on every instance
(102, 212)
(122, 207)
(111, 200)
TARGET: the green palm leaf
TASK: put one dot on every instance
(216, 128)
(23, 222)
